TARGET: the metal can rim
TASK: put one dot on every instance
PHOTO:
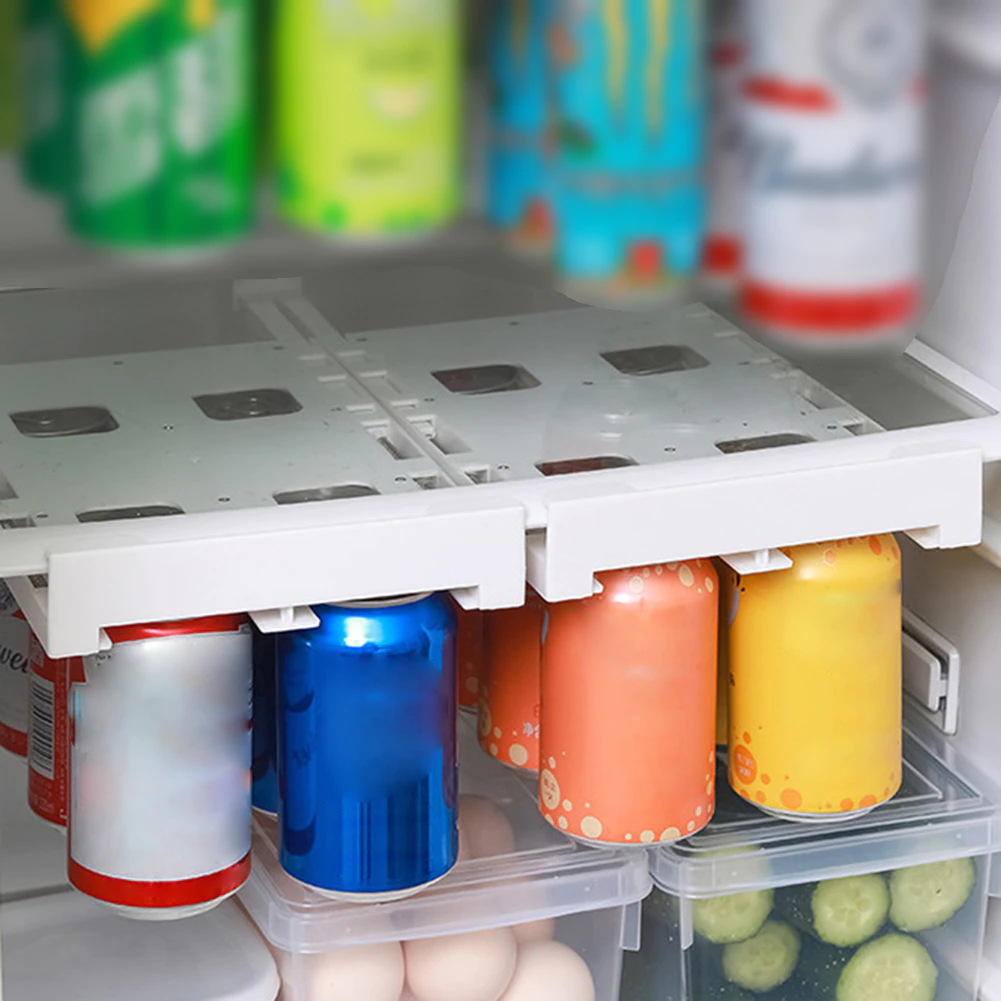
(181, 627)
(399, 599)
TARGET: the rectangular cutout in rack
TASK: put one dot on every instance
(21, 522)
(859, 428)
(762, 441)
(128, 513)
(64, 422)
(440, 435)
(484, 379)
(431, 481)
(341, 492)
(397, 444)
(589, 464)
(246, 404)
(656, 360)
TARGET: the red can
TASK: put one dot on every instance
(509, 689)
(161, 755)
(48, 732)
(468, 655)
(628, 727)
(15, 634)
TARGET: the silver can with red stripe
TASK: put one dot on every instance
(160, 768)
(49, 684)
(833, 111)
(14, 637)
(721, 259)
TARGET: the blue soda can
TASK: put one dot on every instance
(518, 190)
(264, 772)
(631, 112)
(367, 773)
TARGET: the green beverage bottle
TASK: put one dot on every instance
(367, 110)
(159, 122)
(40, 86)
(10, 17)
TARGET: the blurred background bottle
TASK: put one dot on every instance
(367, 98)
(630, 129)
(10, 15)
(834, 112)
(40, 67)
(723, 246)
(159, 122)
(518, 188)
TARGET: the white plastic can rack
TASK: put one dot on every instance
(183, 450)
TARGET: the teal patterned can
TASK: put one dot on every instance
(631, 110)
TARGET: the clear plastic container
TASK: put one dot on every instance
(695, 946)
(515, 872)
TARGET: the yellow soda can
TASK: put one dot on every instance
(815, 681)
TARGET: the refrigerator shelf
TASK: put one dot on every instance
(188, 449)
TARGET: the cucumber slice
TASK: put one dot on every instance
(926, 896)
(891, 968)
(850, 911)
(733, 918)
(765, 961)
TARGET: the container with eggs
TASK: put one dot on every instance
(526, 915)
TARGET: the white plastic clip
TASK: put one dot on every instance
(285, 620)
(757, 561)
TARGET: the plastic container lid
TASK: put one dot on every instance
(547, 876)
(66, 946)
(945, 809)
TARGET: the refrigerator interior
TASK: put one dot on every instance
(911, 445)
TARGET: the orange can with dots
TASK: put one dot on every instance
(815, 681)
(628, 723)
(509, 685)
(468, 656)
(723, 660)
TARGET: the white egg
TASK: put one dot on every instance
(535, 931)
(361, 973)
(477, 966)
(550, 971)
(484, 831)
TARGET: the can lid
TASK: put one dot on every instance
(182, 627)
(398, 599)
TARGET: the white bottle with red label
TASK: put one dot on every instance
(15, 634)
(160, 803)
(49, 683)
(834, 119)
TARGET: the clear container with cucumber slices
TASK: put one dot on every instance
(887, 907)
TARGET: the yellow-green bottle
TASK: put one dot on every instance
(367, 105)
